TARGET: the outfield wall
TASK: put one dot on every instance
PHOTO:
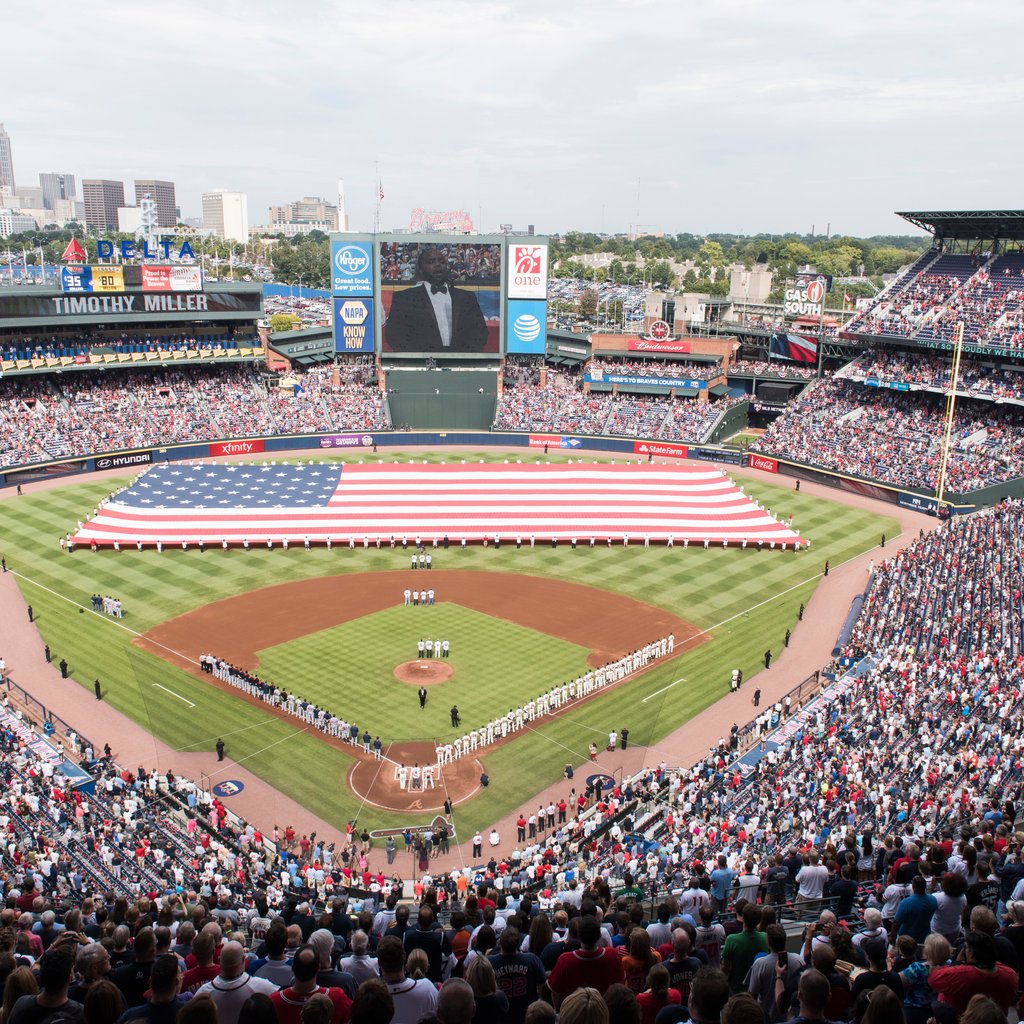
(919, 500)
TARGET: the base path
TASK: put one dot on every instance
(609, 625)
(261, 803)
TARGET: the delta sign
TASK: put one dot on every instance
(127, 249)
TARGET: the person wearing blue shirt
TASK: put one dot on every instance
(721, 882)
(914, 915)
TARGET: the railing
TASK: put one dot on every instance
(33, 709)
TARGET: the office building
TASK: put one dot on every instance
(102, 199)
(56, 187)
(163, 193)
(308, 210)
(6, 160)
(226, 214)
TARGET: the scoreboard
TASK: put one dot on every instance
(81, 279)
(99, 278)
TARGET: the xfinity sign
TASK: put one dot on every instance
(527, 271)
(352, 268)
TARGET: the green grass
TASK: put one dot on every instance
(494, 664)
(745, 598)
(744, 439)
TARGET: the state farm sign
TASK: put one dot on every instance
(527, 272)
(674, 451)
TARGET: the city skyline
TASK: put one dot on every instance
(608, 117)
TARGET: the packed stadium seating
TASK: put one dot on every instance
(919, 370)
(763, 368)
(941, 290)
(51, 417)
(895, 437)
(882, 810)
(561, 406)
(654, 368)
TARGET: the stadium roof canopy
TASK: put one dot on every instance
(970, 225)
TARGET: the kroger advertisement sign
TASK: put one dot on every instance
(352, 268)
(353, 325)
(526, 329)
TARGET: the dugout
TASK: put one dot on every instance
(442, 397)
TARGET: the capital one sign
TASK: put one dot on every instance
(527, 271)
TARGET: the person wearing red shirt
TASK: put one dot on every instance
(586, 967)
(658, 994)
(288, 1002)
(981, 975)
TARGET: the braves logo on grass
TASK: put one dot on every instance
(436, 825)
(229, 787)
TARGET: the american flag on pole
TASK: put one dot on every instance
(177, 503)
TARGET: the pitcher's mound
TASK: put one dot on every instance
(423, 673)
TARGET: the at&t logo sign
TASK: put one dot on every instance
(526, 327)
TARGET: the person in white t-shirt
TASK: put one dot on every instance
(811, 878)
(412, 999)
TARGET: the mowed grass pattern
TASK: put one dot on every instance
(495, 665)
(747, 599)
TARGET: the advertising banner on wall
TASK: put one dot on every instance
(675, 451)
(347, 441)
(171, 279)
(127, 459)
(352, 268)
(527, 327)
(238, 447)
(353, 325)
(647, 382)
(762, 462)
(527, 271)
(654, 345)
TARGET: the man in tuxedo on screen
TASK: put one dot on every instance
(433, 315)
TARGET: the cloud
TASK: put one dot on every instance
(734, 115)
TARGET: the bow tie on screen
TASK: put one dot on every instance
(442, 288)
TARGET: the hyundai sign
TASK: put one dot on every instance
(352, 268)
(526, 329)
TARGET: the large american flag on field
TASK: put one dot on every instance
(235, 503)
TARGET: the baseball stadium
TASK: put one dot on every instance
(443, 599)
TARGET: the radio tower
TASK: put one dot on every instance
(149, 223)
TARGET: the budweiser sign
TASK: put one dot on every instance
(762, 462)
(654, 345)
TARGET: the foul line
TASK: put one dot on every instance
(173, 694)
(681, 679)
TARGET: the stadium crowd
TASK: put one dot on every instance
(882, 812)
(50, 417)
(653, 368)
(775, 368)
(561, 406)
(919, 370)
(467, 263)
(896, 437)
(81, 344)
(940, 291)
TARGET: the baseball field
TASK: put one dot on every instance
(518, 621)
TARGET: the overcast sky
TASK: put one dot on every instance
(733, 115)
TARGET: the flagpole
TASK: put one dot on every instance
(376, 216)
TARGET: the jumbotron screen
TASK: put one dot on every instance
(440, 298)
